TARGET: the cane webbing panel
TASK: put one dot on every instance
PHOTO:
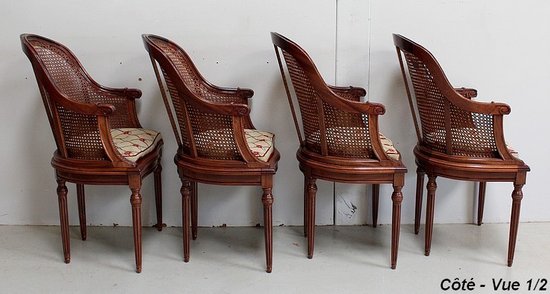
(473, 133)
(344, 144)
(80, 132)
(201, 122)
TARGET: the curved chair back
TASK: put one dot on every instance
(62, 79)
(442, 123)
(199, 131)
(325, 129)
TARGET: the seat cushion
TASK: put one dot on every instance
(388, 147)
(477, 141)
(133, 143)
(260, 143)
(343, 133)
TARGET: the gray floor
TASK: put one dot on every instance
(231, 260)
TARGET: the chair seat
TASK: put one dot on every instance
(480, 143)
(343, 135)
(134, 143)
(260, 143)
(388, 147)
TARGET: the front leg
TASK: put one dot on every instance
(135, 200)
(397, 198)
(186, 211)
(267, 200)
(64, 219)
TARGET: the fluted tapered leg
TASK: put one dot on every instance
(186, 211)
(432, 186)
(194, 209)
(375, 200)
(517, 195)
(158, 197)
(481, 202)
(397, 198)
(135, 201)
(267, 200)
(311, 191)
(64, 219)
(418, 203)
(81, 210)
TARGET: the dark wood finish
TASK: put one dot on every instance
(198, 110)
(458, 138)
(81, 210)
(81, 114)
(375, 200)
(339, 137)
(418, 205)
(481, 202)
(194, 209)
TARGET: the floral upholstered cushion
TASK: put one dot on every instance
(388, 147)
(134, 143)
(260, 143)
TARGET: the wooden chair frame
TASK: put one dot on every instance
(497, 165)
(379, 169)
(114, 169)
(245, 169)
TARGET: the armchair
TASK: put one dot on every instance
(217, 142)
(458, 138)
(339, 138)
(98, 135)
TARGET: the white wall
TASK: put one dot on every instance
(497, 47)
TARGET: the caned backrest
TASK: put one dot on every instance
(60, 76)
(440, 124)
(199, 133)
(326, 129)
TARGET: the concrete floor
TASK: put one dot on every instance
(231, 260)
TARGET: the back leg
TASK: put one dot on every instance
(194, 209)
(375, 200)
(418, 204)
(481, 202)
(81, 209)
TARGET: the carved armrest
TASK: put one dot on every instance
(102, 111)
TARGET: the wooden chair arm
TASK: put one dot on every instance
(467, 92)
(369, 108)
(232, 109)
(474, 106)
(84, 108)
(102, 111)
(350, 93)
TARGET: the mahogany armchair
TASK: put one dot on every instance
(217, 142)
(458, 138)
(339, 140)
(97, 133)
